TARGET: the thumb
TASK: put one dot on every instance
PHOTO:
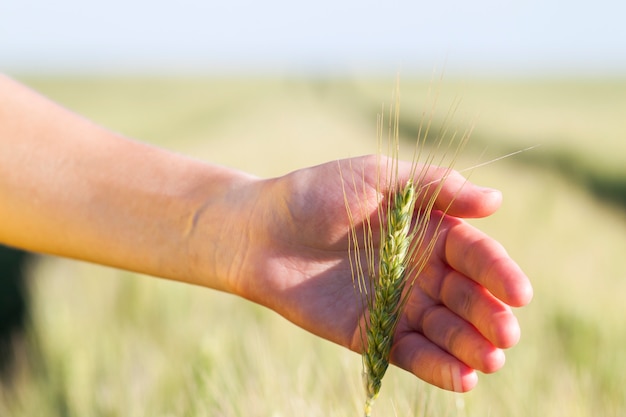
(458, 196)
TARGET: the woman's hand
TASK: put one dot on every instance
(294, 259)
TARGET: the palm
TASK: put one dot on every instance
(443, 333)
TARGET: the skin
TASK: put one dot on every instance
(74, 189)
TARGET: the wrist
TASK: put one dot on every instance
(219, 229)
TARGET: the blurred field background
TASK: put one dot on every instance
(103, 342)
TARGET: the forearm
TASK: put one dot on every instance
(71, 188)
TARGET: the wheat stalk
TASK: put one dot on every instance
(405, 245)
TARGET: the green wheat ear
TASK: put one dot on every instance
(382, 282)
(384, 311)
(405, 249)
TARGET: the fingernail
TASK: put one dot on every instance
(486, 190)
(490, 192)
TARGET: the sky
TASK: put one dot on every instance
(481, 37)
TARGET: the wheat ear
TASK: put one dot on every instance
(385, 309)
(405, 249)
(405, 246)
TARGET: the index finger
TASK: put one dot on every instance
(457, 196)
(483, 259)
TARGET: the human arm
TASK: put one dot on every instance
(74, 189)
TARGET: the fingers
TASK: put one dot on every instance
(473, 303)
(477, 256)
(444, 348)
(475, 338)
(418, 355)
(459, 318)
(457, 196)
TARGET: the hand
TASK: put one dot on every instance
(458, 316)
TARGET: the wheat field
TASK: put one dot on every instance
(104, 342)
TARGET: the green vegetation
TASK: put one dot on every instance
(108, 343)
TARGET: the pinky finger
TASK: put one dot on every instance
(416, 354)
